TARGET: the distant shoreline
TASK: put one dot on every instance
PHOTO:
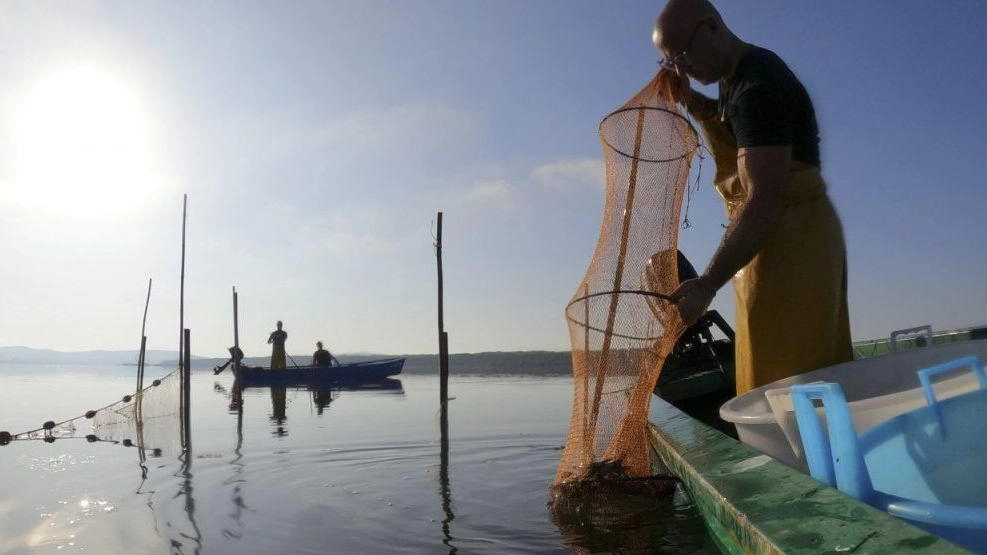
(529, 363)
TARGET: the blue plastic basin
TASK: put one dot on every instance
(927, 465)
(934, 461)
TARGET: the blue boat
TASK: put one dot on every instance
(344, 374)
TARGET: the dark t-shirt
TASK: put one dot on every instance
(764, 104)
(322, 358)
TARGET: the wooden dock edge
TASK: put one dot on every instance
(754, 504)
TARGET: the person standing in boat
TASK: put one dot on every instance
(236, 357)
(322, 357)
(277, 339)
(784, 248)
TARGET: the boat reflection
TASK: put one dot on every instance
(279, 400)
(322, 396)
(321, 399)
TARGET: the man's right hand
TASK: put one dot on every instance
(673, 86)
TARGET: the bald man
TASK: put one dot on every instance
(784, 248)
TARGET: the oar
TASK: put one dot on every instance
(292, 360)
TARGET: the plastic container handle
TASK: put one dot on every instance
(927, 329)
(925, 374)
(837, 462)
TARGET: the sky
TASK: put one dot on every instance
(317, 140)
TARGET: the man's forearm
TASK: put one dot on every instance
(762, 171)
(743, 240)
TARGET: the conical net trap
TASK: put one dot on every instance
(620, 323)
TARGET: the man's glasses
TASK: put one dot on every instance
(682, 59)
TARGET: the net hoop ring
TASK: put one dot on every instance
(617, 292)
(685, 154)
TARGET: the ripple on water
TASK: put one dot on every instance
(361, 476)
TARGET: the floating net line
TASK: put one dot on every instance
(149, 419)
(621, 324)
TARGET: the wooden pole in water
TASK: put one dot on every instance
(444, 489)
(181, 291)
(181, 327)
(140, 364)
(139, 397)
(236, 336)
(140, 357)
(443, 336)
(186, 390)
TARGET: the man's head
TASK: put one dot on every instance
(279, 324)
(318, 344)
(690, 36)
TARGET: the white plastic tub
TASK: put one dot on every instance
(876, 388)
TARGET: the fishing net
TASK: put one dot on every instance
(149, 419)
(621, 324)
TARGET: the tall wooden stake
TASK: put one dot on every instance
(183, 366)
(443, 336)
(140, 358)
(236, 336)
(140, 364)
(181, 291)
(444, 489)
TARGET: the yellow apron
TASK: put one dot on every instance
(278, 357)
(791, 299)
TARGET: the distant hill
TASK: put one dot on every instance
(531, 363)
(28, 355)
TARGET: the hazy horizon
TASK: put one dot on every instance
(317, 141)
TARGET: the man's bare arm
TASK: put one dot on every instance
(763, 170)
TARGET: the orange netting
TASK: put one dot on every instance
(620, 323)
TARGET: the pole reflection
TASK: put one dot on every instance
(445, 490)
(236, 478)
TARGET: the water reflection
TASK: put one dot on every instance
(639, 516)
(236, 479)
(186, 534)
(192, 535)
(279, 399)
(445, 490)
(321, 398)
(364, 477)
(628, 524)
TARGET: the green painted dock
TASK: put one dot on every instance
(754, 504)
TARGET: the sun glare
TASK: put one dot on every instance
(82, 145)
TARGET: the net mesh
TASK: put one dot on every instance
(149, 419)
(621, 324)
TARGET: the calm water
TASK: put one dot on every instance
(359, 473)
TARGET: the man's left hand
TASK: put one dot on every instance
(692, 298)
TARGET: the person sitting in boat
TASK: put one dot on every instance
(322, 357)
(236, 355)
(277, 339)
